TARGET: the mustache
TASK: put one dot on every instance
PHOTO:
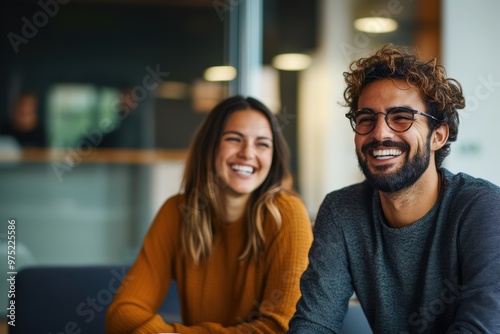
(386, 143)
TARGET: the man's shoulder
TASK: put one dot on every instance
(353, 197)
(464, 184)
(353, 191)
(466, 193)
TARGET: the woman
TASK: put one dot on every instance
(236, 240)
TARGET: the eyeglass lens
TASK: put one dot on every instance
(397, 119)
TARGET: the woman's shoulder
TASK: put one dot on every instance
(174, 200)
(291, 207)
(167, 221)
(295, 221)
(289, 201)
(172, 206)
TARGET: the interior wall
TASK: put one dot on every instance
(327, 159)
(326, 145)
(470, 51)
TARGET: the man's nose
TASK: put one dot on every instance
(381, 131)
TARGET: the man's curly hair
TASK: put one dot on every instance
(442, 95)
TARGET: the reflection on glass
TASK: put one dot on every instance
(75, 108)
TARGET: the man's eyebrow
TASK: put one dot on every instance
(400, 106)
(386, 109)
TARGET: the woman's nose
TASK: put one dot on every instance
(247, 151)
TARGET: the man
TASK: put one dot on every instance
(418, 245)
(23, 124)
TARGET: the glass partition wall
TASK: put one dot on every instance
(120, 87)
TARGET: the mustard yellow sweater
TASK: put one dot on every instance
(222, 295)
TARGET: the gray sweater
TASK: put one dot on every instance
(440, 274)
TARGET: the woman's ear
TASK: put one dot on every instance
(440, 136)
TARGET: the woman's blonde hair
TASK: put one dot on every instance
(201, 184)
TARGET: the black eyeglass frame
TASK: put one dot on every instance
(352, 118)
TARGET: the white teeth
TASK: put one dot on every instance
(247, 170)
(386, 154)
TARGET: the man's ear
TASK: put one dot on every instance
(440, 136)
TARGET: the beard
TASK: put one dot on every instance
(412, 169)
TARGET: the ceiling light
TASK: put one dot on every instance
(206, 95)
(220, 73)
(173, 90)
(376, 25)
(292, 61)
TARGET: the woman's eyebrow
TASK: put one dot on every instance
(242, 135)
(232, 132)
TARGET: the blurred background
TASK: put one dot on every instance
(99, 101)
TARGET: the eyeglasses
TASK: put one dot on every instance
(399, 119)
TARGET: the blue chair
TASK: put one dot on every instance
(355, 321)
(53, 300)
